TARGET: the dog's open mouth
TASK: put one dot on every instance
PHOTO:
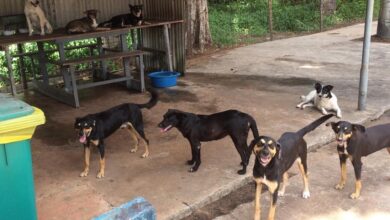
(166, 128)
(264, 160)
(340, 142)
(83, 139)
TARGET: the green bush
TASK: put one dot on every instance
(240, 21)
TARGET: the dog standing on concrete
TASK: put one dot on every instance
(36, 17)
(274, 158)
(322, 98)
(354, 141)
(94, 128)
(200, 128)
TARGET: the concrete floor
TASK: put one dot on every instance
(264, 80)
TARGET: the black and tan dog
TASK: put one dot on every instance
(354, 141)
(134, 18)
(94, 128)
(274, 158)
(200, 128)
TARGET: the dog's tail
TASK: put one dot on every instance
(313, 125)
(153, 100)
(253, 126)
(105, 24)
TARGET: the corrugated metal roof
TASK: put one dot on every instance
(60, 12)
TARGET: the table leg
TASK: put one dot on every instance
(42, 62)
(10, 72)
(168, 47)
(64, 71)
(142, 72)
(103, 63)
(22, 67)
(126, 61)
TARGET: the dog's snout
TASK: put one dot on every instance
(265, 153)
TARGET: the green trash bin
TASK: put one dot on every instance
(17, 125)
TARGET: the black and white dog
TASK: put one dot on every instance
(322, 98)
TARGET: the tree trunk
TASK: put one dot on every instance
(270, 19)
(198, 29)
(383, 30)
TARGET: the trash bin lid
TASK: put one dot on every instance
(13, 108)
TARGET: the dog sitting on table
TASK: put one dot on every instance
(85, 24)
(36, 17)
(134, 18)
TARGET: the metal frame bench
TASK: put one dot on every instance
(68, 69)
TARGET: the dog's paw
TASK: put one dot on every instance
(190, 162)
(146, 154)
(305, 194)
(100, 175)
(281, 193)
(84, 174)
(354, 196)
(241, 172)
(338, 116)
(192, 169)
(339, 186)
(134, 150)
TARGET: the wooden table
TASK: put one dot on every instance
(60, 38)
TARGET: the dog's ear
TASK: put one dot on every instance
(279, 150)
(332, 124)
(252, 144)
(318, 87)
(357, 127)
(329, 87)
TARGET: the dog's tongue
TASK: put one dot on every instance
(166, 129)
(265, 160)
(83, 139)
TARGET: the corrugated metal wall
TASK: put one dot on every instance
(166, 10)
(60, 12)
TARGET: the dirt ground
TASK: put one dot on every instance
(373, 205)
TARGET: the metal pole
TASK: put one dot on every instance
(366, 57)
(321, 15)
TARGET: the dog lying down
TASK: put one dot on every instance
(85, 24)
(94, 128)
(201, 128)
(134, 18)
(322, 98)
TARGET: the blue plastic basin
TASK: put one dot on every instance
(163, 79)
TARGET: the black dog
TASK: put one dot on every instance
(354, 141)
(199, 128)
(134, 18)
(94, 128)
(274, 158)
